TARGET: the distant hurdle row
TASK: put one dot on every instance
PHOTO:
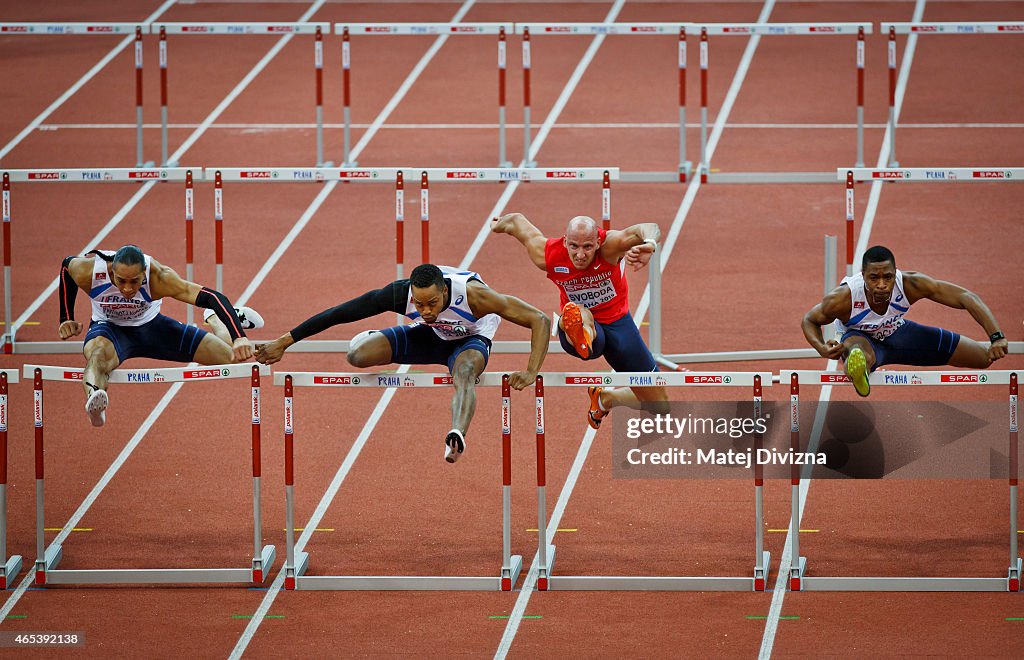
(190, 176)
(297, 562)
(528, 31)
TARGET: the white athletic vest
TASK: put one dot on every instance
(109, 305)
(457, 321)
(864, 319)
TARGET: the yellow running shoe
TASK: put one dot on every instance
(857, 371)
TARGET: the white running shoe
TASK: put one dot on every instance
(249, 317)
(454, 445)
(96, 407)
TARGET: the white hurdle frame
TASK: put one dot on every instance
(78, 175)
(799, 581)
(856, 175)
(243, 29)
(349, 30)
(47, 559)
(531, 30)
(930, 28)
(296, 564)
(547, 581)
(859, 30)
(426, 175)
(9, 566)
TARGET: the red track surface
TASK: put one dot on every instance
(746, 268)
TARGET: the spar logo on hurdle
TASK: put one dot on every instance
(74, 375)
(1010, 28)
(564, 174)
(834, 378)
(887, 174)
(706, 380)
(100, 28)
(47, 176)
(964, 378)
(464, 174)
(991, 174)
(584, 380)
(207, 373)
(336, 380)
(443, 380)
(358, 174)
(255, 174)
(16, 28)
(642, 28)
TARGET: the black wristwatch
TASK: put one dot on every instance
(996, 336)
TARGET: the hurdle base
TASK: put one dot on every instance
(292, 573)
(544, 572)
(510, 573)
(903, 584)
(642, 583)
(51, 559)
(1013, 578)
(649, 177)
(262, 565)
(150, 576)
(771, 177)
(761, 571)
(10, 571)
(796, 574)
(685, 171)
(396, 583)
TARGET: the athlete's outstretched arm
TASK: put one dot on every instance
(75, 274)
(516, 224)
(835, 305)
(635, 243)
(918, 285)
(484, 300)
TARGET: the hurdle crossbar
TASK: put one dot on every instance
(529, 30)
(47, 559)
(349, 30)
(916, 175)
(547, 581)
(296, 564)
(71, 175)
(800, 581)
(9, 566)
(706, 30)
(929, 28)
(234, 29)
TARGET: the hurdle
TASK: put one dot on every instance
(531, 30)
(148, 176)
(47, 559)
(775, 29)
(266, 29)
(916, 175)
(800, 581)
(426, 175)
(297, 564)
(932, 28)
(349, 30)
(95, 29)
(10, 566)
(548, 581)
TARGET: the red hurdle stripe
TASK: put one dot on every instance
(7, 220)
(189, 239)
(794, 421)
(860, 66)
(346, 63)
(892, 67)
(682, 66)
(506, 432)
(849, 223)
(37, 408)
(541, 471)
(606, 201)
(399, 221)
(289, 432)
(318, 63)
(758, 438)
(526, 73)
(3, 432)
(218, 218)
(256, 449)
(138, 67)
(425, 217)
(501, 67)
(163, 66)
(1014, 421)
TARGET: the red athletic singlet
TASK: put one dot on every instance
(601, 288)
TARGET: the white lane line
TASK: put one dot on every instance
(782, 579)
(89, 75)
(157, 411)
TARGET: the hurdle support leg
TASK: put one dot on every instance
(1014, 573)
(262, 555)
(762, 558)
(685, 166)
(511, 565)
(797, 564)
(11, 565)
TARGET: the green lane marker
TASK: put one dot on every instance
(17, 616)
(783, 618)
(505, 616)
(249, 616)
(1015, 618)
